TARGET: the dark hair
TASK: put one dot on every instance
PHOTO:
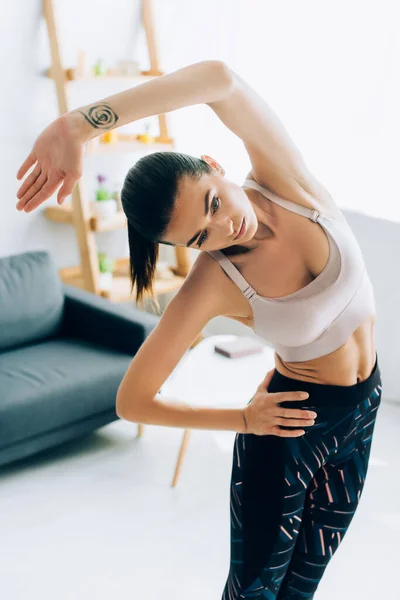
(148, 197)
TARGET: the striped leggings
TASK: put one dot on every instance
(292, 499)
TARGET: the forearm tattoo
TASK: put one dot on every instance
(101, 116)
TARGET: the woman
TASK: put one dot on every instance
(277, 255)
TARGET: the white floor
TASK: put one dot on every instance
(97, 519)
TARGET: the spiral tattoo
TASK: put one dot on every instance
(101, 116)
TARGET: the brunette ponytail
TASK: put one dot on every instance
(143, 255)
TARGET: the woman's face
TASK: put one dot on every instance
(209, 213)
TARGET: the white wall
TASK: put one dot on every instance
(331, 72)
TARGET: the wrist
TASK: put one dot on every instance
(78, 126)
(244, 421)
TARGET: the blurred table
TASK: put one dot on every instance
(205, 378)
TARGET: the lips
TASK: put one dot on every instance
(242, 229)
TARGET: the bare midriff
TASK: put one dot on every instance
(351, 363)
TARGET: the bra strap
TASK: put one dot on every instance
(288, 204)
(233, 273)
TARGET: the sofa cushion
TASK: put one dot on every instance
(31, 299)
(48, 385)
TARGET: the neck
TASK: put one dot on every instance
(265, 218)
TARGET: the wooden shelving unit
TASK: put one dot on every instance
(79, 212)
(64, 214)
(121, 288)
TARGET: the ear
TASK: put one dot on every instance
(213, 164)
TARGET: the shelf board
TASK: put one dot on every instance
(63, 214)
(111, 223)
(120, 291)
(121, 288)
(73, 75)
(126, 143)
(60, 213)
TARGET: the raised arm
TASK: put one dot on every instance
(58, 151)
(199, 83)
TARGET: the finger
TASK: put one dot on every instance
(290, 396)
(47, 190)
(290, 413)
(294, 422)
(32, 191)
(28, 162)
(35, 200)
(67, 188)
(287, 433)
(29, 181)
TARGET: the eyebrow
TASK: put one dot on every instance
(206, 203)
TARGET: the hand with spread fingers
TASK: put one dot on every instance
(264, 415)
(57, 156)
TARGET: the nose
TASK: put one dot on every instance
(223, 224)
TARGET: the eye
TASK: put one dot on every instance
(216, 198)
(203, 237)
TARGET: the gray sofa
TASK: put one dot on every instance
(63, 354)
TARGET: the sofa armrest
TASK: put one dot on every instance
(100, 321)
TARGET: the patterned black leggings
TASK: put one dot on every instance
(292, 499)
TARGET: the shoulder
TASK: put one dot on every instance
(276, 160)
(209, 288)
(306, 191)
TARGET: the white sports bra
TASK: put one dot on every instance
(320, 317)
